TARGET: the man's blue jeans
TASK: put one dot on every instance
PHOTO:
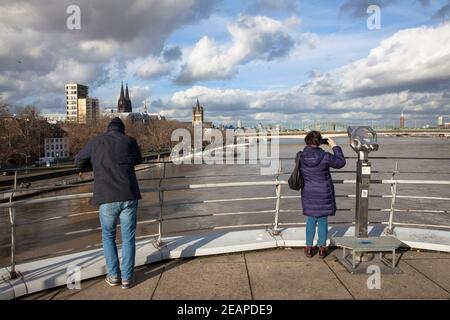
(126, 213)
(322, 230)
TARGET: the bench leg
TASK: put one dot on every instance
(354, 259)
(393, 259)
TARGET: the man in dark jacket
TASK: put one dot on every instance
(318, 198)
(113, 156)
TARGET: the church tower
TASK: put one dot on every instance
(124, 102)
(127, 98)
(197, 114)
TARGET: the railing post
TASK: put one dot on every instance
(275, 229)
(12, 218)
(389, 229)
(161, 206)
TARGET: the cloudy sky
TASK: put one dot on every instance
(256, 60)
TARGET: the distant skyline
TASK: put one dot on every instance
(257, 60)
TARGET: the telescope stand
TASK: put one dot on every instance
(361, 246)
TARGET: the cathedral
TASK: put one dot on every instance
(124, 102)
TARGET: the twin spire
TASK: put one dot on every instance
(124, 102)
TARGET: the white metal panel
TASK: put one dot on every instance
(49, 273)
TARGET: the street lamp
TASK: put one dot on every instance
(26, 160)
(39, 147)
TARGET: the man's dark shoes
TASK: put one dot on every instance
(127, 284)
(112, 281)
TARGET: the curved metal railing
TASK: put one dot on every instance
(277, 184)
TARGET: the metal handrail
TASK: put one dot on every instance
(91, 181)
(85, 195)
(162, 189)
(217, 214)
(373, 158)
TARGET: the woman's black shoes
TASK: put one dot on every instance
(309, 252)
(322, 252)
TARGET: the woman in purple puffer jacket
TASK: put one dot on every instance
(318, 198)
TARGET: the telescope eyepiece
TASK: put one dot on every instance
(362, 139)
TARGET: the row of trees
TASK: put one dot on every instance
(154, 135)
(22, 134)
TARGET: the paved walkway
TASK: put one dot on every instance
(271, 274)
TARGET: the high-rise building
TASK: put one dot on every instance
(239, 124)
(88, 110)
(402, 121)
(124, 102)
(197, 114)
(440, 121)
(74, 92)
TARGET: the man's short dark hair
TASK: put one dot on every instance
(313, 138)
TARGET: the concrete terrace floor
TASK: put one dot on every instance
(270, 274)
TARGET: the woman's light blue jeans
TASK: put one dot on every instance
(126, 213)
(322, 230)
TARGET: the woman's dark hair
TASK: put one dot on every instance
(313, 138)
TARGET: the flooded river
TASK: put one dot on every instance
(67, 226)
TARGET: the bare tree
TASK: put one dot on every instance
(152, 136)
(20, 135)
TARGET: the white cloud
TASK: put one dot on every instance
(413, 59)
(138, 95)
(408, 71)
(101, 50)
(154, 68)
(253, 38)
(34, 39)
(69, 70)
(294, 105)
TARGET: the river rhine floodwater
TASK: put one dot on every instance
(42, 232)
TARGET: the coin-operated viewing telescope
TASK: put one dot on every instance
(363, 140)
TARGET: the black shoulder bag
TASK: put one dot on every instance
(296, 181)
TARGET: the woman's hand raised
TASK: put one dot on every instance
(331, 143)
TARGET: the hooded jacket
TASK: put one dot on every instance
(318, 198)
(112, 156)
